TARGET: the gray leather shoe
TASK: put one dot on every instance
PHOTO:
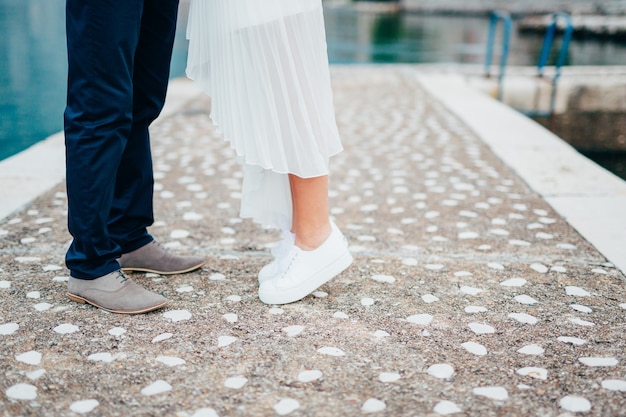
(114, 292)
(154, 258)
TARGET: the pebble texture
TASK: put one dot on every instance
(469, 295)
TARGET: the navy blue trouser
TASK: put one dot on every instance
(119, 55)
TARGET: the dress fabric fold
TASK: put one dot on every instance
(265, 66)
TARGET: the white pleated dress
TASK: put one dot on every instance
(264, 64)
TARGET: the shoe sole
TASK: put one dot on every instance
(82, 300)
(322, 277)
(129, 270)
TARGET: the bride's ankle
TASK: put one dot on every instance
(313, 239)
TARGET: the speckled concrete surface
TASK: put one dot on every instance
(469, 295)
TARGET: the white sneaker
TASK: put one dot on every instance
(280, 252)
(306, 271)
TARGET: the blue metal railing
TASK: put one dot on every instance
(548, 40)
(544, 56)
(506, 37)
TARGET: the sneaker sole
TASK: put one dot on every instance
(82, 300)
(322, 277)
(129, 270)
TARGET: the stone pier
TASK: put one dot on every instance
(488, 276)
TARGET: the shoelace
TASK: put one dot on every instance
(123, 276)
(287, 261)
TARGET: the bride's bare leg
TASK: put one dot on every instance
(309, 197)
(321, 250)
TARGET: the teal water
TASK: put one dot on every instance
(33, 55)
(33, 70)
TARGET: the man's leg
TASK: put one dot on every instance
(102, 36)
(132, 210)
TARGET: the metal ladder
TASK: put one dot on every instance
(548, 40)
(543, 57)
(496, 17)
